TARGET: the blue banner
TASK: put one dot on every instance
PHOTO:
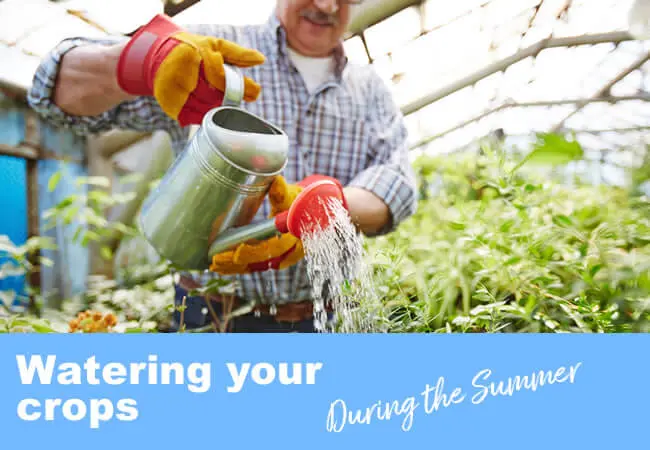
(323, 391)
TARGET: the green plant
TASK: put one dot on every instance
(498, 249)
(85, 211)
(22, 261)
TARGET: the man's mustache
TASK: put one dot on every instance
(320, 17)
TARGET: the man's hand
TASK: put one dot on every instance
(183, 71)
(367, 211)
(86, 84)
(278, 252)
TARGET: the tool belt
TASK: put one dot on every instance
(283, 312)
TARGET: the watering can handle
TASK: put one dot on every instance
(234, 93)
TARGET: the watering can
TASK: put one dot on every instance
(206, 201)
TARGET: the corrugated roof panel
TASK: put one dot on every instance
(355, 51)
(41, 41)
(535, 119)
(17, 68)
(20, 17)
(236, 13)
(393, 32)
(117, 16)
(589, 16)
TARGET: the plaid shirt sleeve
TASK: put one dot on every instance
(140, 114)
(389, 175)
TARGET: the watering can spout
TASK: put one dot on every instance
(309, 212)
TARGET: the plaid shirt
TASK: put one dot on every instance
(350, 128)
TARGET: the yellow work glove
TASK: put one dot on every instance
(183, 71)
(278, 252)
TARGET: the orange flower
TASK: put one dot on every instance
(92, 322)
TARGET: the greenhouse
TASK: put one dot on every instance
(528, 129)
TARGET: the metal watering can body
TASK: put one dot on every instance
(218, 182)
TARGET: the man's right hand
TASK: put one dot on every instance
(183, 71)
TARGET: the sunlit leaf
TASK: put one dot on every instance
(106, 252)
(54, 180)
(94, 181)
(7, 298)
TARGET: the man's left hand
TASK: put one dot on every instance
(278, 252)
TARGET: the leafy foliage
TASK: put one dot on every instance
(85, 211)
(493, 248)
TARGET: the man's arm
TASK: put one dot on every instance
(86, 84)
(369, 212)
(75, 87)
(385, 193)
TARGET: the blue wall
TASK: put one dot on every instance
(68, 275)
(13, 212)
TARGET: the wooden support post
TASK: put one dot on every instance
(19, 151)
(32, 138)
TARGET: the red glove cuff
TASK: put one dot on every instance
(134, 69)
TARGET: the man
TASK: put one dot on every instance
(341, 121)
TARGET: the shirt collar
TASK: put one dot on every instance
(275, 28)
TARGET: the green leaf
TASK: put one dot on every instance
(7, 297)
(11, 269)
(63, 204)
(89, 235)
(552, 149)
(106, 252)
(6, 245)
(135, 330)
(563, 221)
(47, 262)
(513, 260)
(505, 227)
(42, 328)
(124, 198)
(54, 181)
(94, 219)
(595, 269)
(121, 228)
(131, 178)
(94, 181)
(78, 231)
(100, 197)
(555, 149)
(40, 243)
(70, 214)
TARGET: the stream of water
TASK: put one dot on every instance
(340, 275)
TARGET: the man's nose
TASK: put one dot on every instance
(327, 6)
